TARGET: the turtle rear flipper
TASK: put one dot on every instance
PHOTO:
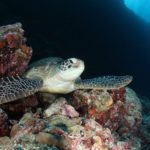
(104, 83)
(13, 88)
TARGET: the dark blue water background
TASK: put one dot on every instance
(110, 38)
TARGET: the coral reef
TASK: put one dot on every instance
(14, 58)
(14, 53)
(92, 136)
(132, 119)
(85, 120)
(60, 127)
(60, 106)
(61, 132)
(119, 110)
(111, 109)
(145, 126)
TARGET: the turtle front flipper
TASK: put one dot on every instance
(13, 88)
(104, 82)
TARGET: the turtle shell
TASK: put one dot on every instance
(44, 67)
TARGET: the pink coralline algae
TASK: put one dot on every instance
(59, 126)
(62, 132)
(106, 107)
(118, 110)
(60, 106)
(14, 53)
(92, 136)
(132, 119)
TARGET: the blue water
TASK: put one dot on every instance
(140, 8)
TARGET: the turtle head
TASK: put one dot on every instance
(71, 69)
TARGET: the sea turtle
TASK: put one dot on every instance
(55, 75)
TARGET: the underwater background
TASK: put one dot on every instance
(108, 36)
(112, 37)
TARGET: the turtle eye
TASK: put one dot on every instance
(71, 61)
(69, 66)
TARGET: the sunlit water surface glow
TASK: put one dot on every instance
(140, 8)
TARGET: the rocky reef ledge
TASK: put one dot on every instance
(14, 53)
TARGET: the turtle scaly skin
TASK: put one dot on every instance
(10, 86)
(104, 82)
(55, 75)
